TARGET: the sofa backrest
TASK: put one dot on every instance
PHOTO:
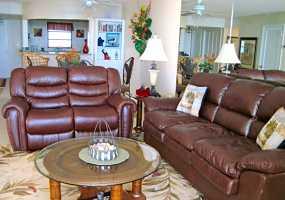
(267, 75)
(91, 86)
(52, 87)
(217, 84)
(242, 106)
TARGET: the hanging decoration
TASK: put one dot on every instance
(140, 26)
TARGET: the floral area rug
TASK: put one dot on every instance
(20, 180)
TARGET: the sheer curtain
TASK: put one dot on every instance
(200, 41)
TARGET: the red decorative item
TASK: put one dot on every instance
(143, 92)
(106, 55)
(85, 47)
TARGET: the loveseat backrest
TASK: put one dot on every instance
(46, 87)
(242, 106)
(52, 87)
(43, 87)
(91, 86)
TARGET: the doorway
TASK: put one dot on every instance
(272, 47)
(3, 48)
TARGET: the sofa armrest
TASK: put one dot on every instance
(153, 103)
(15, 112)
(268, 161)
(125, 108)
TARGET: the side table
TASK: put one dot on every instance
(138, 127)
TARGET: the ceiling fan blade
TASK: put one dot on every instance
(187, 13)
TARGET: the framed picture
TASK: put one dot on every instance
(112, 39)
(38, 32)
(80, 33)
(247, 51)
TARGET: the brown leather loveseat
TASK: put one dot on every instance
(217, 151)
(50, 104)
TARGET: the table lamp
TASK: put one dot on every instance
(228, 53)
(154, 52)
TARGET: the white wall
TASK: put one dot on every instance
(10, 57)
(67, 9)
(42, 42)
(10, 7)
(166, 24)
(128, 11)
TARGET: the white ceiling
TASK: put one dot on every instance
(242, 7)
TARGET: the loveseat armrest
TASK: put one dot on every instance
(125, 108)
(18, 103)
(153, 103)
(15, 112)
(267, 161)
(118, 102)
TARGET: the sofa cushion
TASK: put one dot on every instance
(192, 99)
(86, 118)
(48, 121)
(162, 119)
(272, 135)
(188, 134)
(224, 153)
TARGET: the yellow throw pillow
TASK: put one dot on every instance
(272, 135)
(192, 100)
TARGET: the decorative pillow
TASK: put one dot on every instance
(272, 135)
(192, 100)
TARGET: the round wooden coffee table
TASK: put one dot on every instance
(60, 163)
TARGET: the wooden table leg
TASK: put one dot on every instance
(137, 190)
(117, 192)
(138, 127)
(54, 188)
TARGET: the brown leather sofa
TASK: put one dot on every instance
(50, 104)
(217, 151)
(266, 75)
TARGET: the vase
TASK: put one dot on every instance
(85, 47)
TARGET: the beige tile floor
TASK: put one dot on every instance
(4, 97)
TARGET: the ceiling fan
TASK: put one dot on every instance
(90, 3)
(198, 9)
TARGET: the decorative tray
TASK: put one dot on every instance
(123, 155)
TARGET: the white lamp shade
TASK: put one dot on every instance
(228, 55)
(154, 50)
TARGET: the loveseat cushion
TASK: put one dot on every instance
(162, 119)
(188, 134)
(86, 118)
(49, 121)
(224, 153)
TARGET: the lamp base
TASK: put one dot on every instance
(153, 92)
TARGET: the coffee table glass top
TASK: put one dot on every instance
(60, 162)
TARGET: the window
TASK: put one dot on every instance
(59, 35)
